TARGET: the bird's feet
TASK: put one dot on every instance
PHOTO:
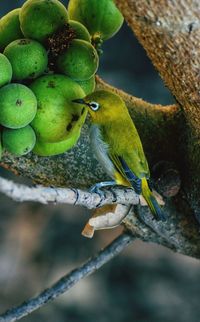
(97, 188)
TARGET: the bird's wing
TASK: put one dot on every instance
(131, 168)
(125, 165)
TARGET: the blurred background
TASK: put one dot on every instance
(39, 244)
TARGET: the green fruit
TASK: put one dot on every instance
(18, 106)
(41, 18)
(80, 61)
(10, 28)
(27, 57)
(6, 70)
(1, 147)
(88, 85)
(99, 16)
(19, 142)
(56, 114)
(48, 149)
(81, 31)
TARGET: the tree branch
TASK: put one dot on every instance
(68, 281)
(46, 195)
(169, 32)
(179, 232)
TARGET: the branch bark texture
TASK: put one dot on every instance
(170, 33)
(70, 196)
(68, 281)
(180, 233)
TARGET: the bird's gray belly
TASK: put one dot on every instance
(100, 149)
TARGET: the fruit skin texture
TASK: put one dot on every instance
(5, 70)
(99, 16)
(56, 114)
(10, 28)
(80, 30)
(19, 142)
(18, 106)
(27, 57)
(48, 149)
(80, 61)
(88, 85)
(41, 18)
(1, 147)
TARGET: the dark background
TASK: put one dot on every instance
(38, 244)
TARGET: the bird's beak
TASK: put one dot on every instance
(79, 101)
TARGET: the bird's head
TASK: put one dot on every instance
(102, 106)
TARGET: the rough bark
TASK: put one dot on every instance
(169, 31)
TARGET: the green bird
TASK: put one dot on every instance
(117, 146)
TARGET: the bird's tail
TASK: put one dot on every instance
(151, 201)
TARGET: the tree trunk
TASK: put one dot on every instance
(169, 31)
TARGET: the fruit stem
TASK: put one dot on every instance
(97, 42)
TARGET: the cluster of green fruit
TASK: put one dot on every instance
(49, 57)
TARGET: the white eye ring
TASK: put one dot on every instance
(94, 106)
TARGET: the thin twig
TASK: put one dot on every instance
(45, 195)
(69, 280)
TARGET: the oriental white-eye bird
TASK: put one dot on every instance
(118, 147)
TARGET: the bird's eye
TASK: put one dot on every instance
(94, 106)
